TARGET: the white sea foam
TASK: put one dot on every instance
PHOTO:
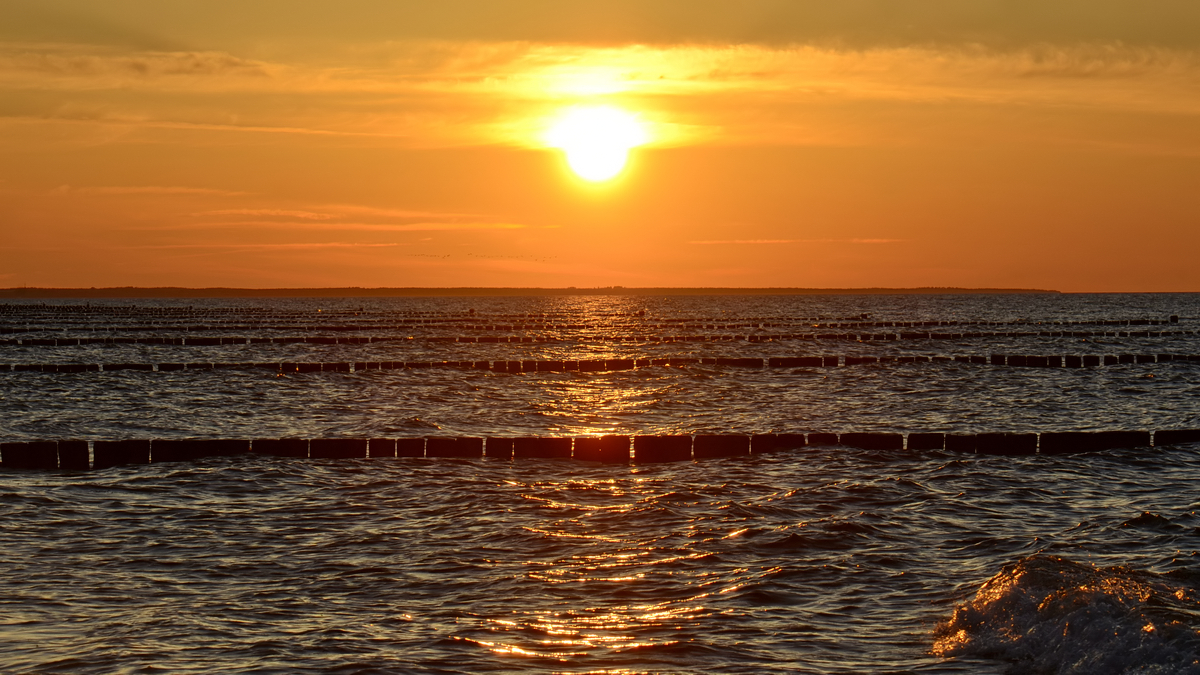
(1046, 614)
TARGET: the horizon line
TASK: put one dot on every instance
(470, 291)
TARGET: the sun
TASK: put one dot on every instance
(596, 140)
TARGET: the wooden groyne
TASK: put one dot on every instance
(612, 365)
(80, 455)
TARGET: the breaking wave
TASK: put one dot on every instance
(1046, 614)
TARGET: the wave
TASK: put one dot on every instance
(1046, 614)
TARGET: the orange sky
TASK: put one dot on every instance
(1051, 144)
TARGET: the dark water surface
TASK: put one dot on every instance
(822, 560)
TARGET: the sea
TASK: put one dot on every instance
(822, 558)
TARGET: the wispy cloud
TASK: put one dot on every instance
(335, 211)
(93, 67)
(149, 190)
(444, 93)
(339, 217)
(111, 117)
(364, 227)
(795, 241)
(281, 213)
(395, 213)
(747, 241)
(303, 246)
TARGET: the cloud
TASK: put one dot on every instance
(747, 241)
(108, 117)
(357, 209)
(708, 242)
(342, 217)
(281, 213)
(295, 246)
(91, 67)
(429, 93)
(365, 227)
(150, 190)
(858, 24)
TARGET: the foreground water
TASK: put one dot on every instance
(821, 560)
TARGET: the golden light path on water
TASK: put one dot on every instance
(625, 577)
(595, 513)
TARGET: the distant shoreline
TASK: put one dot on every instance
(354, 292)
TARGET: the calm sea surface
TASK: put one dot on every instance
(819, 560)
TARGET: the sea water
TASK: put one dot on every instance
(818, 560)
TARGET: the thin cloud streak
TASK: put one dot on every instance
(708, 242)
(422, 84)
(151, 190)
(334, 211)
(331, 226)
(143, 123)
(282, 213)
(261, 246)
(397, 213)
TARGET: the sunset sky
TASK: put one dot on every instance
(282, 143)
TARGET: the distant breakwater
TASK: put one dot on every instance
(354, 292)
(42, 319)
(80, 455)
(217, 341)
(613, 365)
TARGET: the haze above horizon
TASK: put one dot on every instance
(652, 144)
(473, 291)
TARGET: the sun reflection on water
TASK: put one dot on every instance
(588, 404)
(610, 583)
(613, 588)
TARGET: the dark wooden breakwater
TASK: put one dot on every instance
(561, 337)
(610, 365)
(78, 455)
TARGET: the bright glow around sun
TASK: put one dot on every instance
(597, 140)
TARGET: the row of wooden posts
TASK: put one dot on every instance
(609, 365)
(208, 341)
(518, 322)
(79, 455)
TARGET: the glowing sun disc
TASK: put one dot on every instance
(596, 141)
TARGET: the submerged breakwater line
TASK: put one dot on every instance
(592, 336)
(611, 365)
(72, 455)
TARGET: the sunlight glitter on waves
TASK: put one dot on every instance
(514, 650)
(592, 406)
(638, 558)
(566, 535)
(559, 577)
(556, 573)
(556, 504)
(582, 625)
(578, 631)
(567, 634)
